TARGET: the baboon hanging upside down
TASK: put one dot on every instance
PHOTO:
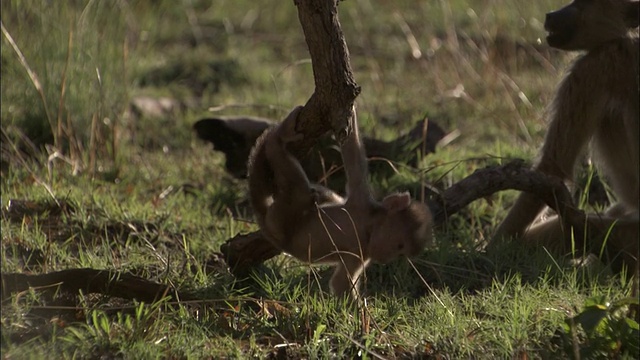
(595, 105)
(316, 225)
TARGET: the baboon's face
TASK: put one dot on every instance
(404, 233)
(585, 24)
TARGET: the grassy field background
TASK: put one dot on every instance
(141, 194)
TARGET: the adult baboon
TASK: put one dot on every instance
(596, 104)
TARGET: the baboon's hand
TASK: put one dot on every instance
(287, 131)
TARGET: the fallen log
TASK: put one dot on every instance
(107, 282)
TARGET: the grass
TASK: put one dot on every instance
(143, 196)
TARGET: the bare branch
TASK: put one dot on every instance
(330, 106)
(111, 283)
(514, 175)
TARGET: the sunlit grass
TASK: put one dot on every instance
(149, 199)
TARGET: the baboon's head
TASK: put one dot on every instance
(585, 24)
(405, 229)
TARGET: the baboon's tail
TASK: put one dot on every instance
(261, 179)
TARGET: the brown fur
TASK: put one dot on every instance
(315, 225)
(596, 104)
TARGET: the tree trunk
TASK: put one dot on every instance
(331, 105)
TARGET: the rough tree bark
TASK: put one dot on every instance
(108, 282)
(515, 175)
(331, 105)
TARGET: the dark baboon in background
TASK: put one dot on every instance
(235, 136)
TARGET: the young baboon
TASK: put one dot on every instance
(315, 225)
(596, 104)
